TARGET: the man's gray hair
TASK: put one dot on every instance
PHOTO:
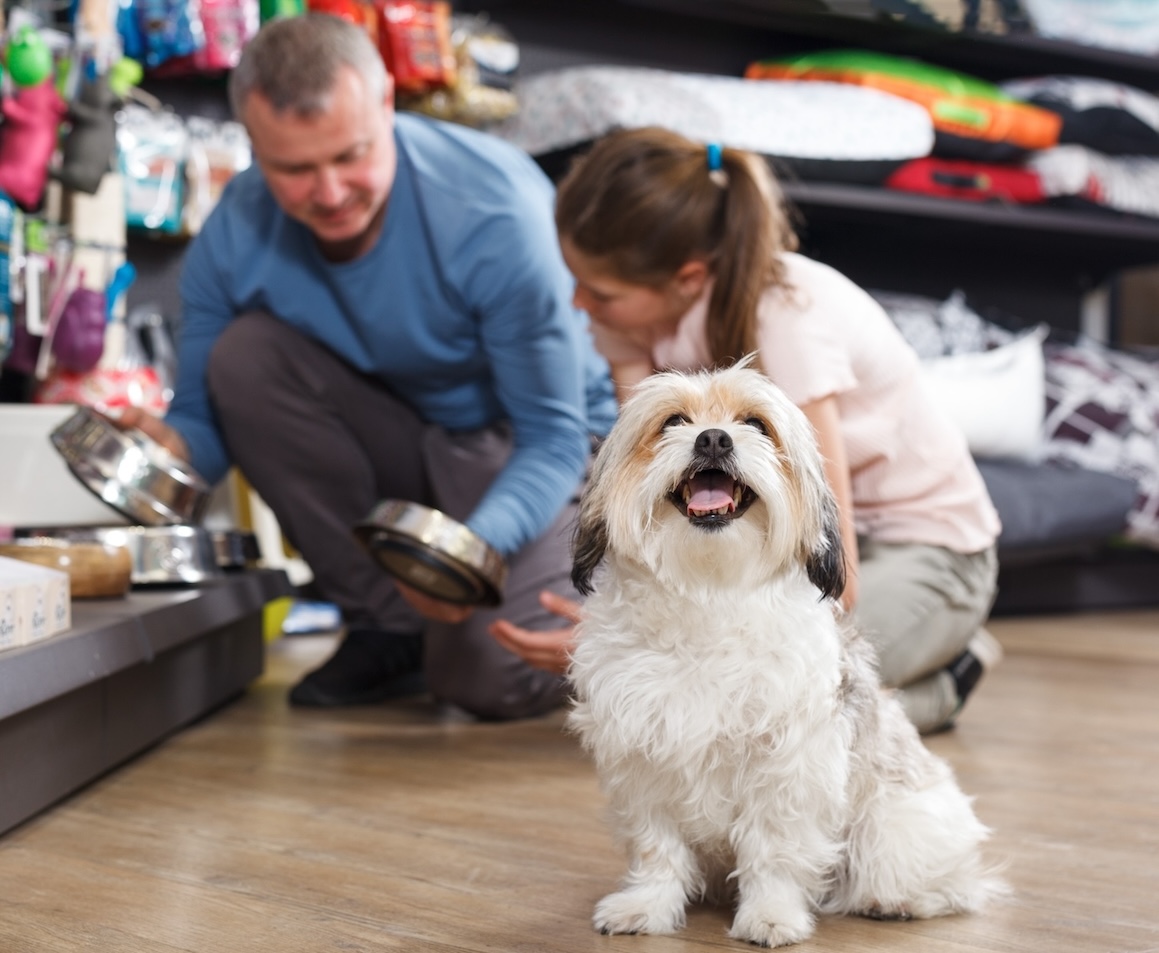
(294, 63)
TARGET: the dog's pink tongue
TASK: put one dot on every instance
(709, 492)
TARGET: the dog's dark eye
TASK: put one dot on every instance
(675, 420)
(758, 423)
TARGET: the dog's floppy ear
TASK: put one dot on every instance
(825, 565)
(589, 544)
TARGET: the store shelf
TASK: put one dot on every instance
(127, 674)
(1101, 241)
(987, 55)
(724, 36)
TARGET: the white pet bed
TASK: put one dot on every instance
(811, 121)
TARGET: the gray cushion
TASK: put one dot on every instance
(1049, 509)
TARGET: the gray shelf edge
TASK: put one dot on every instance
(1026, 217)
(108, 636)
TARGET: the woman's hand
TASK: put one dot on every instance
(155, 428)
(549, 650)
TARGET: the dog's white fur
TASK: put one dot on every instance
(739, 730)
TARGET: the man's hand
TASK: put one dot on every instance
(155, 428)
(549, 650)
(434, 609)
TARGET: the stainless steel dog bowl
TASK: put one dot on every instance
(160, 555)
(130, 471)
(434, 553)
(235, 548)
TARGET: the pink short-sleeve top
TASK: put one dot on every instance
(820, 335)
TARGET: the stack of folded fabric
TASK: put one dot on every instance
(982, 133)
(1108, 151)
(1059, 139)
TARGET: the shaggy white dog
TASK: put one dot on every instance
(739, 730)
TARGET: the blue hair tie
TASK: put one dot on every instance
(714, 157)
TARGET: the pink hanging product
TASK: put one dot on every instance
(32, 117)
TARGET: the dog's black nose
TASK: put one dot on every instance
(713, 443)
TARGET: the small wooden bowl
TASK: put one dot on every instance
(95, 570)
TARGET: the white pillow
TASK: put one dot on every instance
(997, 397)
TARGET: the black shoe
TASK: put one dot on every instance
(368, 666)
(983, 652)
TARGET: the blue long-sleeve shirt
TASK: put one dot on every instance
(463, 307)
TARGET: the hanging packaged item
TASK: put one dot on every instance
(358, 12)
(90, 146)
(486, 65)
(30, 274)
(9, 225)
(227, 26)
(973, 119)
(79, 340)
(168, 29)
(152, 151)
(215, 154)
(272, 9)
(32, 118)
(28, 58)
(141, 376)
(415, 41)
(37, 289)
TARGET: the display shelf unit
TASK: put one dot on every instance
(127, 673)
(1036, 263)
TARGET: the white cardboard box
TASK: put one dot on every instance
(11, 613)
(40, 603)
(36, 486)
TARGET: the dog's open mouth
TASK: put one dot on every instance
(711, 497)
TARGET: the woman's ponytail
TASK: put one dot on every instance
(754, 231)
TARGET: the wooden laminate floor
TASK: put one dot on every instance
(391, 828)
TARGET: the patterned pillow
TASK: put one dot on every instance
(936, 328)
(1102, 413)
(1123, 183)
(1101, 408)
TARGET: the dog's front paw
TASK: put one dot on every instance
(771, 926)
(640, 910)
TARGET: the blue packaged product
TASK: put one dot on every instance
(7, 217)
